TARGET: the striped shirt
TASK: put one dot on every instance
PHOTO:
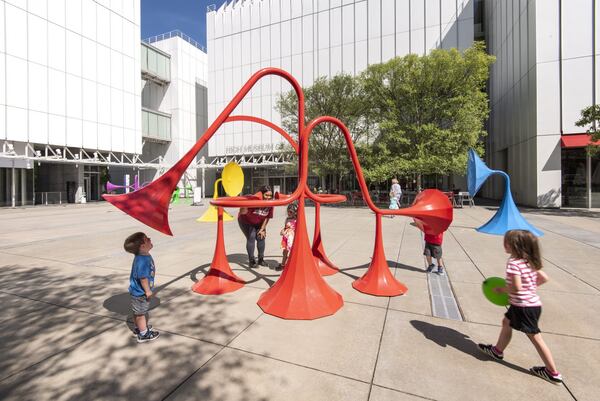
(527, 296)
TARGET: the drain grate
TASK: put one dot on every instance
(443, 303)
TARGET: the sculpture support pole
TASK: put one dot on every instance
(378, 280)
(220, 279)
(325, 266)
(300, 292)
(508, 216)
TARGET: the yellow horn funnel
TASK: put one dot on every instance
(233, 179)
(233, 183)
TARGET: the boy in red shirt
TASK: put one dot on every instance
(433, 247)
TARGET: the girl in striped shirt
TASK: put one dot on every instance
(523, 276)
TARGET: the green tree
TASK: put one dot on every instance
(342, 97)
(590, 117)
(429, 109)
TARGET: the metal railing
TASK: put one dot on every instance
(172, 34)
(43, 197)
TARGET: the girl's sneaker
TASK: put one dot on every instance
(542, 372)
(488, 349)
(149, 336)
(136, 331)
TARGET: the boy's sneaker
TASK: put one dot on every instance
(136, 331)
(149, 336)
(542, 372)
(430, 268)
(252, 263)
(440, 271)
(488, 349)
(261, 262)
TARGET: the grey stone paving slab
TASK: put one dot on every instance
(38, 335)
(111, 366)
(216, 319)
(236, 375)
(576, 359)
(475, 307)
(342, 283)
(88, 271)
(384, 394)
(321, 344)
(578, 234)
(14, 306)
(103, 293)
(448, 365)
(416, 300)
(569, 314)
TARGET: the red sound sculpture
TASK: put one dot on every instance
(300, 292)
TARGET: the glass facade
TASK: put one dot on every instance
(595, 181)
(156, 63)
(156, 125)
(574, 182)
(580, 178)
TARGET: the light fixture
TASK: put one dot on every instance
(38, 153)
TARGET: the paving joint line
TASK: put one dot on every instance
(209, 360)
(96, 333)
(543, 257)
(387, 309)
(405, 392)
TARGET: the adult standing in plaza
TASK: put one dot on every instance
(396, 191)
(253, 223)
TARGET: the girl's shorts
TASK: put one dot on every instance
(524, 318)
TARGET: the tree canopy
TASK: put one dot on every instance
(429, 110)
(590, 117)
(410, 115)
(342, 97)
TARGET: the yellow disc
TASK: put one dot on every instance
(233, 179)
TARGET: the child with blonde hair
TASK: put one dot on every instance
(288, 232)
(523, 277)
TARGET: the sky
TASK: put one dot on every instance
(189, 16)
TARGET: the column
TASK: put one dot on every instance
(588, 178)
(23, 187)
(13, 189)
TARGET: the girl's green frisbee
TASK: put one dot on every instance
(488, 290)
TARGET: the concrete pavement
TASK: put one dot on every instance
(65, 336)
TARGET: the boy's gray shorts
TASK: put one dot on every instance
(432, 250)
(139, 305)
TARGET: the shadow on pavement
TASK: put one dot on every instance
(66, 351)
(447, 337)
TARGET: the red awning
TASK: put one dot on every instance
(576, 141)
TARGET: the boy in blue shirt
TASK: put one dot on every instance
(141, 282)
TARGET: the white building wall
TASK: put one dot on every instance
(188, 66)
(69, 73)
(311, 39)
(542, 79)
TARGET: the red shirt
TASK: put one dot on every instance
(256, 216)
(434, 239)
